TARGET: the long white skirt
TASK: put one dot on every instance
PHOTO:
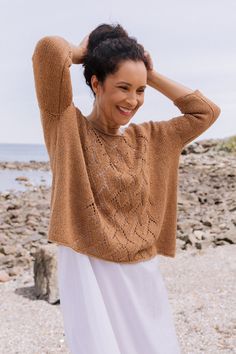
(114, 308)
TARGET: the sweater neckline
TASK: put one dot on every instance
(101, 131)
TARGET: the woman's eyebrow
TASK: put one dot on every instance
(127, 83)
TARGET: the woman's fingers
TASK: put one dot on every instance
(84, 43)
(149, 59)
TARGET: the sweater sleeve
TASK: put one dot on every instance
(199, 113)
(51, 59)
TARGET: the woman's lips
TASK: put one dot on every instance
(124, 111)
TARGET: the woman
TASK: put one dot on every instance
(114, 190)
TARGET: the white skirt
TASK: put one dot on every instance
(114, 308)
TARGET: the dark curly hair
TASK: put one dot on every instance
(108, 46)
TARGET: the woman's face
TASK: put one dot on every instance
(121, 94)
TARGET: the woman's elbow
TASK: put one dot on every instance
(214, 111)
(217, 111)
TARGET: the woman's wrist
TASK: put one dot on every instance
(77, 54)
(79, 51)
(166, 86)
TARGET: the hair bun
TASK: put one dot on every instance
(104, 32)
(108, 46)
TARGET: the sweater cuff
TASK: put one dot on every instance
(189, 103)
(178, 100)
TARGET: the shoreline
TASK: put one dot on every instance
(25, 165)
(221, 146)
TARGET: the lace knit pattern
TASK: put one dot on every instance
(121, 189)
(113, 197)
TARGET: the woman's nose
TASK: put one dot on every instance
(132, 100)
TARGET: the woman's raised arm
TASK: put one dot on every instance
(199, 112)
(52, 58)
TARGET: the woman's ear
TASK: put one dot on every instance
(94, 84)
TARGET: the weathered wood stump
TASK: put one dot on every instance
(45, 273)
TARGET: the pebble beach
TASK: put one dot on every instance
(200, 280)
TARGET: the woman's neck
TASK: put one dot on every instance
(103, 126)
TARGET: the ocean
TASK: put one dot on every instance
(23, 153)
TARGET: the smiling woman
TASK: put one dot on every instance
(115, 68)
(114, 196)
(116, 103)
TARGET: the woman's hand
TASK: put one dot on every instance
(79, 51)
(150, 69)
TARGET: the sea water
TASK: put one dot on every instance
(23, 153)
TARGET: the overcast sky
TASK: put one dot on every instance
(191, 42)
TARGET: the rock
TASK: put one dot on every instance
(222, 226)
(8, 260)
(229, 237)
(13, 206)
(4, 276)
(32, 238)
(45, 273)
(8, 249)
(198, 234)
(32, 223)
(20, 251)
(179, 244)
(207, 223)
(3, 240)
(2, 259)
(20, 230)
(192, 238)
(21, 178)
(5, 226)
(6, 195)
(15, 271)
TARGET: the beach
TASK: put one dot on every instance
(200, 279)
(201, 290)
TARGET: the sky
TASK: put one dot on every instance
(191, 42)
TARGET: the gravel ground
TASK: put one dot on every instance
(202, 293)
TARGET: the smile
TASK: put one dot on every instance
(124, 111)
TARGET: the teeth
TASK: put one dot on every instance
(125, 110)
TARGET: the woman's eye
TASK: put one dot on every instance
(126, 88)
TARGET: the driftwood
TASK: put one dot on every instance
(45, 273)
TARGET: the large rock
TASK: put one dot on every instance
(45, 273)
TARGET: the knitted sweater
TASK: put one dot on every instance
(113, 197)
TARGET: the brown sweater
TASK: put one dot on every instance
(113, 197)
